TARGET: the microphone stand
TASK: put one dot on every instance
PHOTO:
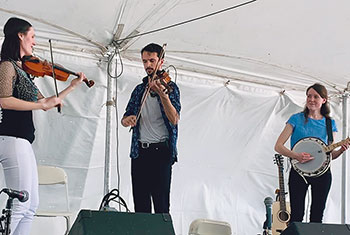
(7, 212)
(266, 231)
(265, 228)
(267, 224)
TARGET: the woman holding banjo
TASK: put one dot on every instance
(309, 128)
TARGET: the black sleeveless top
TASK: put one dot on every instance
(20, 123)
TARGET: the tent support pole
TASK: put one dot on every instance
(344, 159)
(108, 146)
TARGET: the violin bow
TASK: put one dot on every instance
(145, 95)
(54, 75)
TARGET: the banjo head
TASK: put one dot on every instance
(315, 147)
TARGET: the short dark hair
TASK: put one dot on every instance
(153, 47)
(322, 91)
(10, 47)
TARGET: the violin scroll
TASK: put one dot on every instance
(89, 83)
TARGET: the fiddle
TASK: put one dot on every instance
(39, 68)
(164, 79)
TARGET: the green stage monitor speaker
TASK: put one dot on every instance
(298, 228)
(91, 222)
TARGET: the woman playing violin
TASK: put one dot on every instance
(18, 97)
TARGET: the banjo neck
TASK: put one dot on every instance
(331, 147)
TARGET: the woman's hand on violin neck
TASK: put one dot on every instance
(50, 102)
(77, 81)
(74, 83)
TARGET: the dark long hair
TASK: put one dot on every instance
(10, 47)
(322, 91)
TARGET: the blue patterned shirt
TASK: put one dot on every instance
(133, 107)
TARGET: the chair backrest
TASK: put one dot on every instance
(53, 179)
(51, 175)
(209, 227)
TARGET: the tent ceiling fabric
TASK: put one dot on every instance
(287, 44)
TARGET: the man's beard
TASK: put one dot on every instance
(149, 71)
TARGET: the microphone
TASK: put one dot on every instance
(267, 224)
(22, 196)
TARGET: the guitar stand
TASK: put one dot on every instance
(6, 217)
(278, 194)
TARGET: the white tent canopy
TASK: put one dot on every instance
(241, 74)
(267, 42)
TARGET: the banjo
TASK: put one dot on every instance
(321, 153)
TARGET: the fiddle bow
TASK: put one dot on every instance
(54, 76)
(148, 88)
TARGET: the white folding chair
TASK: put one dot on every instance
(50, 175)
(209, 227)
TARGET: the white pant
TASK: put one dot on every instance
(20, 170)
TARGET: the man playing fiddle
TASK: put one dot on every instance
(153, 145)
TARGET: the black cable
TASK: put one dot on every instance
(121, 64)
(175, 70)
(119, 41)
(111, 196)
(121, 202)
(109, 64)
(110, 59)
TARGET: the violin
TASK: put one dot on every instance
(164, 79)
(38, 68)
(162, 76)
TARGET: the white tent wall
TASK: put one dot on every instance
(74, 133)
(226, 138)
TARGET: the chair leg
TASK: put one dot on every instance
(67, 224)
